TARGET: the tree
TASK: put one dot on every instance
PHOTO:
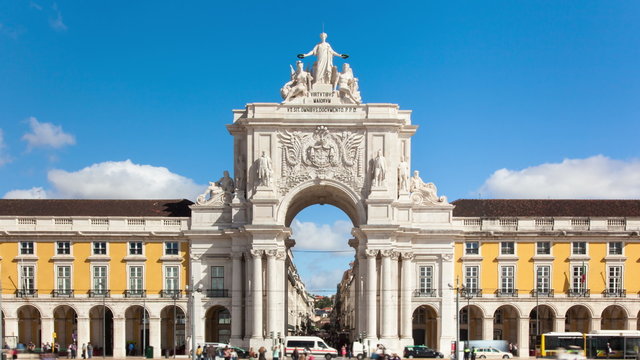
(324, 302)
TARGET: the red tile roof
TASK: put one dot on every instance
(55, 207)
(542, 208)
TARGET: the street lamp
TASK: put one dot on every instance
(457, 289)
(192, 296)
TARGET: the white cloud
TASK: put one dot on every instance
(596, 177)
(56, 22)
(324, 282)
(116, 180)
(46, 135)
(4, 158)
(309, 235)
(33, 193)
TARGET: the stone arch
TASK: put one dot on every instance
(217, 324)
(29, 325)
(578, 318)
(542, 319)
(471, 318)
(505, 323)
(65, 324)
(173, 330)
(425, 326)
(137, 330)
(614, 317)
(101, 330)
(325, 191)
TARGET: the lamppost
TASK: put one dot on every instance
(1, 320)
(457, 290)
(192, 297)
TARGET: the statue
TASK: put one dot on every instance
(323, 66)
(403, 175)
(219, 192)
(421, 191)
(264, 170)
(349, 85)
(379, 169)
(299, 85)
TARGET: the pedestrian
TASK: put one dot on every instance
(466, 352)
(84, 351)
(473, 353)
(211, 352)
(261, 353)
(295, 355)
(89, 350)
(276, 353)
(131, 349)
(199, 352)
(234, 354)
(609, 351)
(343, 351)
(515, 349)
(252, 354)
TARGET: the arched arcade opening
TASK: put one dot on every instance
(173, 330)
(578, 318)
(101, 330)
(137, 330)
(29, 325)
(425, 326)
(614, 317)
(217, 325)
(65, 322)
(471, 317)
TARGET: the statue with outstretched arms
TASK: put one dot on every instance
(324, 63)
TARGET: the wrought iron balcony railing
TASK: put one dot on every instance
(425, 293)
(135, 293)
(471, 293)
(217, 293)
(578, 293)
(542, 293)
(22, 293)
(507, 293)
(64, 293)
(615, 293)
(171, 294)
(99, 293)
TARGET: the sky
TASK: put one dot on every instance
(514, 99)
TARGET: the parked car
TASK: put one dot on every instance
(421, 351)
(492, 353)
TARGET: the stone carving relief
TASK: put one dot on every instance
(321, 155)
(218, 193)
(379, 171)
(425, 193)
(349, 89)
(403, 175)
(407, 255)
(386, 253)
(395, 255)
(447, 257)
(371, 253)
(299, 85)
(256, 254)
(265, 170)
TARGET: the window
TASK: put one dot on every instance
(100, 284)
(63, 248)
(579, 248)
(63, 278)
(99, 248)
(28, 279)
(543, 279)
(471, 278)
(615, 248)
(579, 277)
(26, 248)
(135, 248)
(615, 279)
(136, 278)
(507, 248)
(171, 276)
(506, 279)
(171, 248)
(217, 277)
(543, 248)
(471, 248)
(426, 278)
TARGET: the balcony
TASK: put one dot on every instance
(64, 293)
(578, 293)
(615, 293)
(97, 293)
(425, 293)
(217, 293)
(172, 294)
(542, 293)
(507, 293)
(471, 293)
(135, 293)
(23, 293)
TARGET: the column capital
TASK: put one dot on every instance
(370, 253)
(395, 255)
(235, 255)
(386, 253)
(255, 253)
(407, 255)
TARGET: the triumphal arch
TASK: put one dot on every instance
(323, 145)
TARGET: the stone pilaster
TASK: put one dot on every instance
(236, 298)
(372, 284)
(256, 286)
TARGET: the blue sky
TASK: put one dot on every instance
(129, 99)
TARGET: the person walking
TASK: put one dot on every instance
(252, 354)
(473, 353)
(89, 350)
(609, 351)
(276, 353)
(261, 353)
(295, 355)
(343, 351)
(84, 351)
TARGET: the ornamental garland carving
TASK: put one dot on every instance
(322, 154)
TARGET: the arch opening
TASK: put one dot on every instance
(505, 324)
(425, 326)
(578, 318)
(471, 318)
(218, 324)
(541, 320)
(173, 321)
(614, 317)
(101, 330)
(29, 325)
(137, 330)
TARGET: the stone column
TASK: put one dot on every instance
(280, 294)
(595, 323)
(360, 296)
(385, 294)
(487, 326)
(119, 337)
(394, 307)
(272, 309)
(155, 335)
(256, 282)
(83, 332)
(406, 332)
(447, 318)
(236, 297)
(523, 337)
(559, 324)
(632, 323)
(47, 327)
(10, 326)
(372, 306)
